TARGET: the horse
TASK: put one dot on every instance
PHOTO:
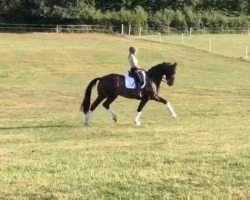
(112, 85)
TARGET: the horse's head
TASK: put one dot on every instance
(158, 72)
(169, 72)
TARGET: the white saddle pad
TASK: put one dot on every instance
(130, 82)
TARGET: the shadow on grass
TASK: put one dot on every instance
(36, 127)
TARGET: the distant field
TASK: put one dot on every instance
(46, 152)
(230, 45)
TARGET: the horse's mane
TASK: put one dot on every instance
(159, 66)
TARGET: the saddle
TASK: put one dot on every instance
(130, 81)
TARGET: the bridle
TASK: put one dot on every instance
(164, 80)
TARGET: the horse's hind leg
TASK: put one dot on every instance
(98, 100)
(106, 105)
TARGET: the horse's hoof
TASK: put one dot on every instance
(137, 123)
(174, 116)
(115, 119)
(86, 124)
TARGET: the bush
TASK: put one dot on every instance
(161, 20)
(179, 20)
(193, 19)
(85, 12)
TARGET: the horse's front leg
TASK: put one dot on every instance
(139, 109)
(165, 102)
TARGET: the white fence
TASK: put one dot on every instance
(230, 45)
(56, 28)
(122, 29)
(202, 30)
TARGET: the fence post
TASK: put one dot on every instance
(248, 31)
(160, 37)
(182, 38)
(190, 31)
(129, 29)
(139, 32)
(210, 45)
(57, 29)
(246, 53)
(122, 29)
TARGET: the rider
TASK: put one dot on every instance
(134, 70)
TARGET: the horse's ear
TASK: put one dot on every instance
(175, 64)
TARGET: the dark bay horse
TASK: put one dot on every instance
(113, 85)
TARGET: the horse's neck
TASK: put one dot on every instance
(155, 76)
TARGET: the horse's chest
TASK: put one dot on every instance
(152, 88)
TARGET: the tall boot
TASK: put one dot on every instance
(138, 89)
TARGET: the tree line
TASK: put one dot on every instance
(158, 14)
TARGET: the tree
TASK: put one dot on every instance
(9, 9)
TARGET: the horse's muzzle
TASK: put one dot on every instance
(170, 82)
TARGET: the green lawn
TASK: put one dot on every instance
(47, 153)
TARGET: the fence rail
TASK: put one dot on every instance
(122, 29)
(56, 28)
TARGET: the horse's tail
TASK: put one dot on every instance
(86, 100)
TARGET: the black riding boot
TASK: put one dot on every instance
(138, 89)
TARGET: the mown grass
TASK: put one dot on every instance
(46, 152)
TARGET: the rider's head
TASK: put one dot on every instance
(132, 50)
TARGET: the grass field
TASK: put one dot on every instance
(46, 152)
